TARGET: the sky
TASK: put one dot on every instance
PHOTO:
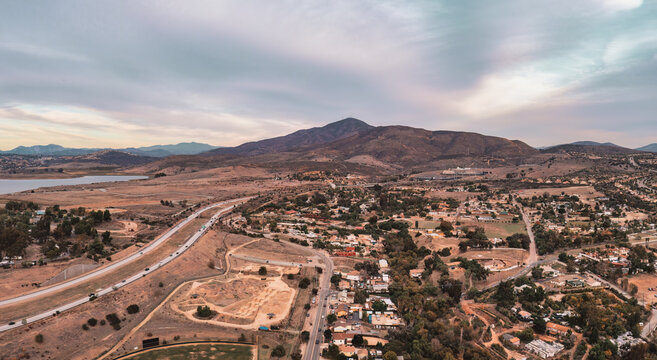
(134, 73)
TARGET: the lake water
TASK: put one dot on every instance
(8, 186)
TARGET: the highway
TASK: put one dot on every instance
(102, 271)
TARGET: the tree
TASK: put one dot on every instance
(360, 296)
(133, 309)
(537, 272)
(305, 336)
(379, 306)
(39, 338)
(539, 325)
(504, 294)
(390, 355)
(296, 355)
(335, 279)
(203, 311)
(303, 284)
(107, 238)
(358, 340)
(331, 318)
(279, 351)
(262, 271)
(328, 335)
(92, 322)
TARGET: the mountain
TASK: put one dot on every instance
(407, 146)
(48, 150)
(111, 157)
(190, 148)
(354, 141)
(298, 139)
(649, 148)
(590, 147)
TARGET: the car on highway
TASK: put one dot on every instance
(147, 269)
(11, 323)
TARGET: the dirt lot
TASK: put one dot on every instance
(644, 282)
(242, 301)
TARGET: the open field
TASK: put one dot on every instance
(586, 193)
(644, 282)
(500, 230)
(197, 352)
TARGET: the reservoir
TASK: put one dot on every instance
(8, 186)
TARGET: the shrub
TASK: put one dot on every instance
(303, 284)
(279, 351)
(262, 271)
(85, 327)
(114, 321)
(133, 309)
(39, 338)
(92, 322)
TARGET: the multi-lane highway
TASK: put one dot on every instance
(225, 207)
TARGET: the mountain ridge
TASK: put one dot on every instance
(183, 148)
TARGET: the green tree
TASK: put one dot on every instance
(390, 355)
(262, 271)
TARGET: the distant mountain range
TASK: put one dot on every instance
(189, 148)
(590, 147)
(649, 148)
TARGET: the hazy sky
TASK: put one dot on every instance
(124, 73)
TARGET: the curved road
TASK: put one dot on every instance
(119, 264)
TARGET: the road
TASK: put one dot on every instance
(316, 336)
(118, 264)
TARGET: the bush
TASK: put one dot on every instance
(102, 322)
(92, 322)
(279, 351)
(133, 309)
(114, 321)
(38, 338)
(303, 284)
(262, 271)
(85, 327)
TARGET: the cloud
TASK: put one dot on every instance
(232, 71)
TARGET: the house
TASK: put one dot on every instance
(556, 329)
(344, 285)
(386, 320)
(342, 338)
(353, 276)
(342, 310)
(416, 273)
(347, 350)
(524, 315)
(383, 263)
(511, 339)
(543, 349)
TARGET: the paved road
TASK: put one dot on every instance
(316, 336)
(119, 264)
